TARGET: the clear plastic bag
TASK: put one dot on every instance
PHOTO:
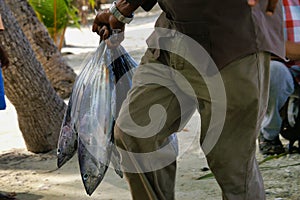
(91, 113)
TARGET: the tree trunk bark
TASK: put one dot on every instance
(40, 110)
(57, 71)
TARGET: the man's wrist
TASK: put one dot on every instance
(118, 15)
(127, 9)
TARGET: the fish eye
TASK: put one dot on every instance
(85, 176)
(58, 151)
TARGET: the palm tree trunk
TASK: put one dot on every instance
(40, 110)
(57, 71)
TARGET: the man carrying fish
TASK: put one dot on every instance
(212, 56)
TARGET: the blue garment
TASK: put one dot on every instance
(2, 98)
(281, 87)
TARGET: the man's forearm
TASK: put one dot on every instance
(127, 7)
(292, 50)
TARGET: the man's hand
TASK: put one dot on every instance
(103, 25)
(270, 8)
(105, 22)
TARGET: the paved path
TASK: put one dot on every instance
(81, 43)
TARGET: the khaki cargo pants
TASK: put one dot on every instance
(159, 105)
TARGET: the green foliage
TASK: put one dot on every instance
(56, 20)
(271, 157)
(92, 3)
(206, 176)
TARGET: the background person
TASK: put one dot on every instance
(4, 62)
(284, 76)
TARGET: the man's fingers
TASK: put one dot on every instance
(100, 19)
(271, 6)
(105, 22)
(95, 27)
(105, 32)
(102, 31)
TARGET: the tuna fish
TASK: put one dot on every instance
(97, 95)
(67, 142)
(91, 169)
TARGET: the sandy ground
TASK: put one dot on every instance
(30, 176)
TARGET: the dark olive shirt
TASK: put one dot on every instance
(228, 30)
